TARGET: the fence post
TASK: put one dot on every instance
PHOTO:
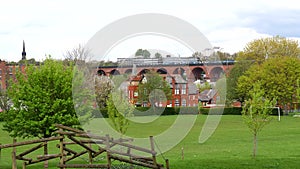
(46, 153)
(90, 153)
(167, 164)
(153, 149)
(14, 160)
(61, 148)
(108, 151)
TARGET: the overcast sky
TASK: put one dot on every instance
(53, 27)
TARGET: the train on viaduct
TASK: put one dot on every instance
(191, 68)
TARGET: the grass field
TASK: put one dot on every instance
(229, 147)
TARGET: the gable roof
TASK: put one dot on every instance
(178, 78)
(207, 95)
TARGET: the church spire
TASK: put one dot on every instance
(23, 52)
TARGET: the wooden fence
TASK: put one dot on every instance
(113, 149)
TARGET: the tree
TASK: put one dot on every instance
(77, 54)
(203, 86)
(103, 87)
(221, 88)
(41, 98)
(298, 91)
(256, 112)
(277, 76)
(119, 109)
(4, 101)
(153, 89)
(253, 57)
(145, 53)
(238, 70)
(157, 55)
(261, 49)
(139, 52)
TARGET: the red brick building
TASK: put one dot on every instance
(8, 70)
(183, 93)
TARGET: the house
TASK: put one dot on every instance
(183, 93)
(209, 97)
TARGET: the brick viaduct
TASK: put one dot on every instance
(210, 70)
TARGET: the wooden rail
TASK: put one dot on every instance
(105, 145)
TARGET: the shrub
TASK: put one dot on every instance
(233, 111)
(226, 110)
(187, 110)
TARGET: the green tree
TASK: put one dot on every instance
(203, 86)
(261, 49)
(157, 55)
(119, 109)
(41, 98)
(256, 112)
(139, 52)
(145, 53)
(238, 70)
(277, 76)
(298, 91)
(153, 89)
(221, 88)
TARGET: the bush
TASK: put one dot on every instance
(232, 111)
(143, 111)
(275, 112)
(187, 110)
(226, 111)
(147, 111)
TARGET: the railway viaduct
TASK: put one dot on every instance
(195, 71)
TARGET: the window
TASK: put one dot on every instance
(177, 88)
(135, 94)
(183, 89)
(183, 103)
(177, 103)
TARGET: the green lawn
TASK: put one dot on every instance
(229, 147)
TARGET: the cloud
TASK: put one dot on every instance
(52, 27)
(283, 22)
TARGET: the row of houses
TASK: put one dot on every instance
(184, 93)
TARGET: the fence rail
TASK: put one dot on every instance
(105, 146)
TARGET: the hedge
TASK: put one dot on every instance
(226, 111)
(148, 111)
(232, 111)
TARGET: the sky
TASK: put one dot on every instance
(57, 26)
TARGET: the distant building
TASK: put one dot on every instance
(8, 70)
(183, 93)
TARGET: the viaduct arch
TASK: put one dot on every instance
(193, 72)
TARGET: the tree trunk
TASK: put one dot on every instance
(45, 153)
(254, 144)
